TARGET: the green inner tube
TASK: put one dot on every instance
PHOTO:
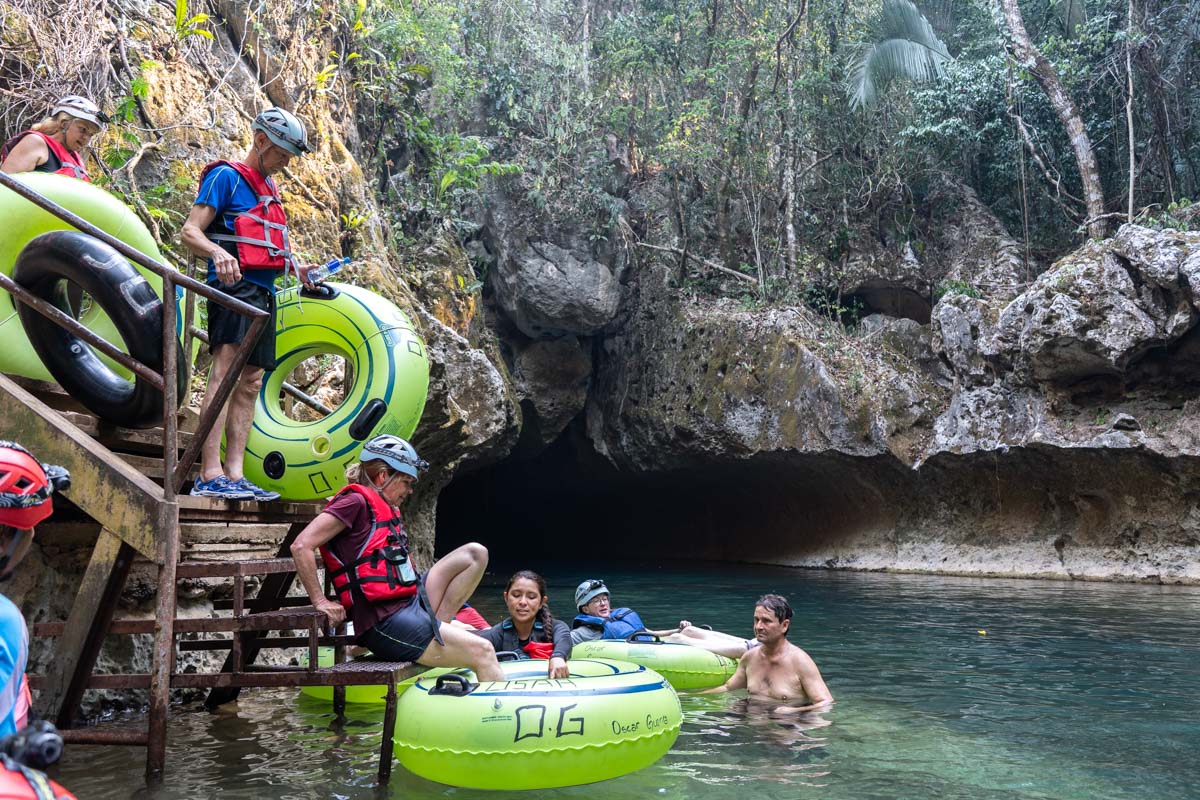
(686, 667)
(308, 460)
(607, 719)
(23, 221)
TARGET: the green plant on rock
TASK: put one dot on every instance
(956, 287)
(186, 26)
(1172, 217)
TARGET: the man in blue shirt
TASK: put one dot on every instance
(237, 223)
(25, 489)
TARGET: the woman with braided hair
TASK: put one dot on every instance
(531, 628)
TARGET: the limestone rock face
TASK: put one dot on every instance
(549, 283)
(963, 333)
(963, 245)
(549, 291)
(1100, 309)
(679, 384)
(551, 379)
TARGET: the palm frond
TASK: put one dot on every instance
(904, 45)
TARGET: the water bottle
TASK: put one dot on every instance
(322, 273)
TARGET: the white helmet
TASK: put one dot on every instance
(79, 107)
(283, 129)
(588, 591)
(396, 453)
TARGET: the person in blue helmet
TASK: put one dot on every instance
(237, 223)
(597, 619)
(399, 614)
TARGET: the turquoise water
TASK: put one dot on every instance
(1076, 690)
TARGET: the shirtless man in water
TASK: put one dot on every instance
(778, 669)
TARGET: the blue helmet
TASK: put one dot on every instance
(396, 453)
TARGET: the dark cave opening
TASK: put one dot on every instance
(891, 300)
(568, 502)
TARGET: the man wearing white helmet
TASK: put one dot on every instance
(237, 222)
(56, 143)
(398, 613)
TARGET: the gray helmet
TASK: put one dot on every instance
(396, 453)
(283, 129)
(587, 591)
(79, 107)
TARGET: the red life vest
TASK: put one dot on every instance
(539, 649)
(469, 616)
(376, 574)
(261, 234)
(18, 782)
(70, 164)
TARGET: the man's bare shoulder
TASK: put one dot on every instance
(754, 656)
(795, 653)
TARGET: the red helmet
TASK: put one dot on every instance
(26, 486)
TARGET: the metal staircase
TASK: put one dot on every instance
(127, 482)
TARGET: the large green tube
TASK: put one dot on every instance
(308, 460)
(22, 221)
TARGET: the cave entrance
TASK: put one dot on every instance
(889, 299)
(569, 503)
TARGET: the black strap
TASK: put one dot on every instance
(437, 623)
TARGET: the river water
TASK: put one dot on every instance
(945, 688)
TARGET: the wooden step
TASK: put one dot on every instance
(147, 441)
(210, 509)
(284, 619)
(229, 569)
(57, 398)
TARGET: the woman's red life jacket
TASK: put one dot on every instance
(539, 649)
(380, 567)
(70, 164)
(261, 234)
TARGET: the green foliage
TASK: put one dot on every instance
(186, 26)
(678, 120)
(904, 46)
(956, 287)
(1174, 217)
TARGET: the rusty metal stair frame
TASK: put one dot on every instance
(158, 540)
(136, 515)
(237, 674)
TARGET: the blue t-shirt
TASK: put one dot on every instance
(14, 651)
(226, 191)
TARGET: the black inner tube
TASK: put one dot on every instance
(44, 267)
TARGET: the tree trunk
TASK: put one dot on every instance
(789, 165)
(1129, 108)
(1032, 59)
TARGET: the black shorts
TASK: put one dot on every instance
(404, 635)
(226, 326)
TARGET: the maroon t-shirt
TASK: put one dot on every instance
(351, 510)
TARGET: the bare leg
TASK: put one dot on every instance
(463, 649)
(239, 417)
(450, 581)
(210, 452)
(714, 641)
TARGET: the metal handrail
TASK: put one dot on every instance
(174, 471)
